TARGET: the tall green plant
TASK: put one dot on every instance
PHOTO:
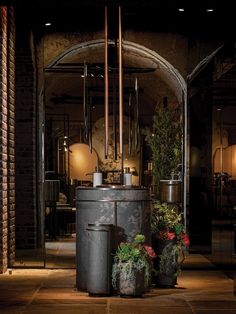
(165, 141)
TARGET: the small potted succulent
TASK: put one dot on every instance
(170, 241)
(133, 267)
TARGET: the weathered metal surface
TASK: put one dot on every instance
(127, 208)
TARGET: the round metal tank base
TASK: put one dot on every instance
(127, 208)
(170, 191)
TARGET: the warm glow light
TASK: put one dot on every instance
(82, 162)
(229, 161)
(233, 161)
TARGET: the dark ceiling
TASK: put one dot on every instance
(149, 15)
(162, 16)
(144, 15)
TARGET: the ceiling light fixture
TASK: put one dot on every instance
(48, 24)
(181, 9)
(209, 10)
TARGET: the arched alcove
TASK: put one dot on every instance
(63, 93)
(159, 80)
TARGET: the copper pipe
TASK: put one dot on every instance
(85, 102)
(136, 114)
(115, 103)
(90, 125)
(130, 123)
(106, 85)
(120, 85)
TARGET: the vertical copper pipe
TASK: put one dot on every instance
(68, 149)
(130, 123)
(85, 103)
(136, 114)
(120, 85)
(90, 125)
(115, 102)
(106, 85)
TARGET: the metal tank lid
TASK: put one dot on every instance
(171, 181)
(113, 187)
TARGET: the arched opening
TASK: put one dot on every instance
(159, 84)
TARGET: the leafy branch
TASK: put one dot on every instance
(165, 141)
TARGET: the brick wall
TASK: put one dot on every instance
(11, 136)
(3, 140)
(7, 169)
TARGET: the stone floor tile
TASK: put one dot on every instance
(148, 309)
(215, 305)
(11, 309)
(160, 301)
(47, 291)
(61, 277)
(218, 311)
(66, 309)
(65, 295)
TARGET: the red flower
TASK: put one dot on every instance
(150, 251)
(170, 235)
(185, 239)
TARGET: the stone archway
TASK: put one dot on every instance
(168, 73)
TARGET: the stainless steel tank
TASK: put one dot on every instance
(125, 207)
(170, 191)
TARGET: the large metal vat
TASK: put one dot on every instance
(170, 191)
(127, 208)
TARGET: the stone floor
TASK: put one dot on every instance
(200, 290)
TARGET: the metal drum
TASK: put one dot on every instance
(99, 259)
(170, 191)
(127, 208)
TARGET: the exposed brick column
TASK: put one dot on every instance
(11, 137)
(3, 141)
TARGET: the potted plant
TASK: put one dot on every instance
(165, 141)
(133, 267)
(170, 241)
